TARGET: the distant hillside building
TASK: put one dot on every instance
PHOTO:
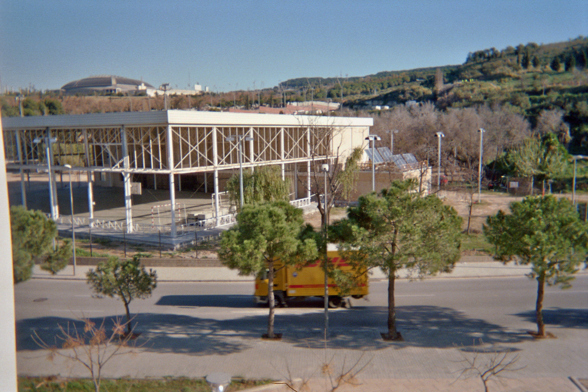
(106, 84)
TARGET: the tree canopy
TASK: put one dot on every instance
(543, 159)
(125, 280)
(400, 228)
(546, 233)
(265, 184)
(265, 234)
(32, 239)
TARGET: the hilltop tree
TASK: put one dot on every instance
(265, 234)
(555, 64)
(125, 280)
(546, 233)
(32, 239)
(399, 228)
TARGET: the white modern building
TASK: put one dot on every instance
(166, 149)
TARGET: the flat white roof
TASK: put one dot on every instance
(180, 117)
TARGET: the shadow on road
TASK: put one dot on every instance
(358, 329)
(219, 301)
(565, 318)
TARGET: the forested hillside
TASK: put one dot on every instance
(545, 85)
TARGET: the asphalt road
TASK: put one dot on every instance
(507, 303)
(191, 328)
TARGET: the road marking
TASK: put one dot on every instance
(415, 295)
(567, 291)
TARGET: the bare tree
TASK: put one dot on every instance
(552, 121)
(487, 364)
(93, 347)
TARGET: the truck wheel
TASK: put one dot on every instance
(335, 301)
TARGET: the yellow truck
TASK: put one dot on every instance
(295, 282)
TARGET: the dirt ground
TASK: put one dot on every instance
(490, 204)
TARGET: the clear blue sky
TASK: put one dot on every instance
(232, 44)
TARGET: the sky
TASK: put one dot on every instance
(240, 44)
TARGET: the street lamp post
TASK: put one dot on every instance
(373, 139)
(325, 170)
(481, 131)
(71, 206)
(439, 135)
(576, 157)
(239, 139)
(392, 132)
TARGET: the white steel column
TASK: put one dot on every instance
(151, 160)
(308, 163)
(215, 165)
(23, 190)
(127, 180)
(172, 185)
(282, 153)
(89, 178)
(52, 192)
(251, 151)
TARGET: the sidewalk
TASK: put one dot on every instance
(469, 267)
(428, 385)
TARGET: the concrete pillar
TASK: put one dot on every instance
(7, 326)
(172, 185)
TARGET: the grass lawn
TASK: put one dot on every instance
(475, 243)
(167, 384)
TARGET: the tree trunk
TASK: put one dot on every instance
(471, 207)
(271, 300)
(392, 333)
(129, 329)
(539, 305)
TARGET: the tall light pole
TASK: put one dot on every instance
(71, 206)
(481, 131)
(164, 87)
(392, 132)
(576, 157)
(439, 135)
(373, 139)
(325, 170)
(239, 139)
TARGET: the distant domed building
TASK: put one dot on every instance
(107, 84)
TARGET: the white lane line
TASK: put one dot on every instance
(415, 295)
(567, 291)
